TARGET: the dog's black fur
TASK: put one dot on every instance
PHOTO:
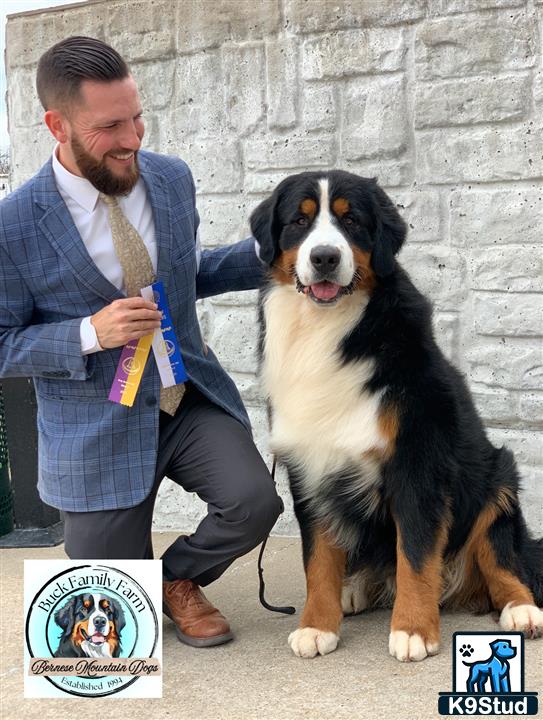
(443, 465)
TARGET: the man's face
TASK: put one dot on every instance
(104, 129)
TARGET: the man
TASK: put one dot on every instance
(98, 222)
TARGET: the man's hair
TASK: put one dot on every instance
(63, 67)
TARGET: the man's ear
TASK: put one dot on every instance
(389, 235)
(264, 228)
(57, 123)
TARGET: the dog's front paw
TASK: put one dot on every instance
(524, 618)
(405, 646)
(308, 641)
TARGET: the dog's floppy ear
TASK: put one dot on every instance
(390, 232)
(65, 617)
(264, 228)
(118, 615)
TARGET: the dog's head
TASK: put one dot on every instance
(91, 617)
(503, 649)
(329, 233)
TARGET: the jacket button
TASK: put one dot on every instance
(150, 400)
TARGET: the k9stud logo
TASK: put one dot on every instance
(91, 629)
(488, 676)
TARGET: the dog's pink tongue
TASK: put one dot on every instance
(97, 638)
(325, 290)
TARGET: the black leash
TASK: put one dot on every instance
(288, 610)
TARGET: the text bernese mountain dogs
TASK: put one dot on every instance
(401, 498)
(91, 624)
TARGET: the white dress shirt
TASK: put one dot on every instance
(91, 218)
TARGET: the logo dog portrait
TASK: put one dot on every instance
(91, 626)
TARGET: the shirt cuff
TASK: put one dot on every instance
(89, 339)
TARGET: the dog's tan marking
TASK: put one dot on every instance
(340, 206)
(416, 608)
(503, 587)
(365, 277)
(309, 207)
(484, 584)
(77, 635)
(389, 424)
(283, 268)
(324, 577)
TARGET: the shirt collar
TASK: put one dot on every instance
(77, 188)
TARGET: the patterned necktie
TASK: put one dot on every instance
(138, 273)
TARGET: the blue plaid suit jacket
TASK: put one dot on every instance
(95, 454)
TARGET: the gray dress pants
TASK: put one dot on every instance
(206, 451)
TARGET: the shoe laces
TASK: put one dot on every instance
(189, 593)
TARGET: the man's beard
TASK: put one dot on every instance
(99, 175)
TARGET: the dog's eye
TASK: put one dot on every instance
(301, 221)
(348, 220)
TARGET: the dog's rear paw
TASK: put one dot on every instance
(353, 595)
(307, 642)
(525, 618)
(406, 647)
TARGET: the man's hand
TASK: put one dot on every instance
(124, 320)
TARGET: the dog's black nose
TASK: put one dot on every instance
(100, 623)
(325, 258)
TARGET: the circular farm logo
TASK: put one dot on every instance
(91, 631)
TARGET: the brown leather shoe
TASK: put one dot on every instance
(197, 622)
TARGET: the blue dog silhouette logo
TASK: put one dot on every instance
(495, 669)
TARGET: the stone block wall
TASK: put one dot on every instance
(442, 100)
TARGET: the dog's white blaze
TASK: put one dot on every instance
(322, 420)
(324, 232)
(97, 613)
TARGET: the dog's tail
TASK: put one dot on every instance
(521, 543)
(532, 560)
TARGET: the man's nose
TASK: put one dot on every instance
(130, 138)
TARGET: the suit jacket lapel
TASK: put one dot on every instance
(160, 204)
(58, 227)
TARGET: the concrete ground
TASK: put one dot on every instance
(256, 675)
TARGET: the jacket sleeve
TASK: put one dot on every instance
(49, 350)
(231, 268)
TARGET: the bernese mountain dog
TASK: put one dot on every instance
(91, 626)
(401, 499)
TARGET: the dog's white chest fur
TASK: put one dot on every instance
(323, 420)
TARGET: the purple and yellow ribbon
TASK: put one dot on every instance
(130, 370)
(135, 353)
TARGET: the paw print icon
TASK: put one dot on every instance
(466, 650)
